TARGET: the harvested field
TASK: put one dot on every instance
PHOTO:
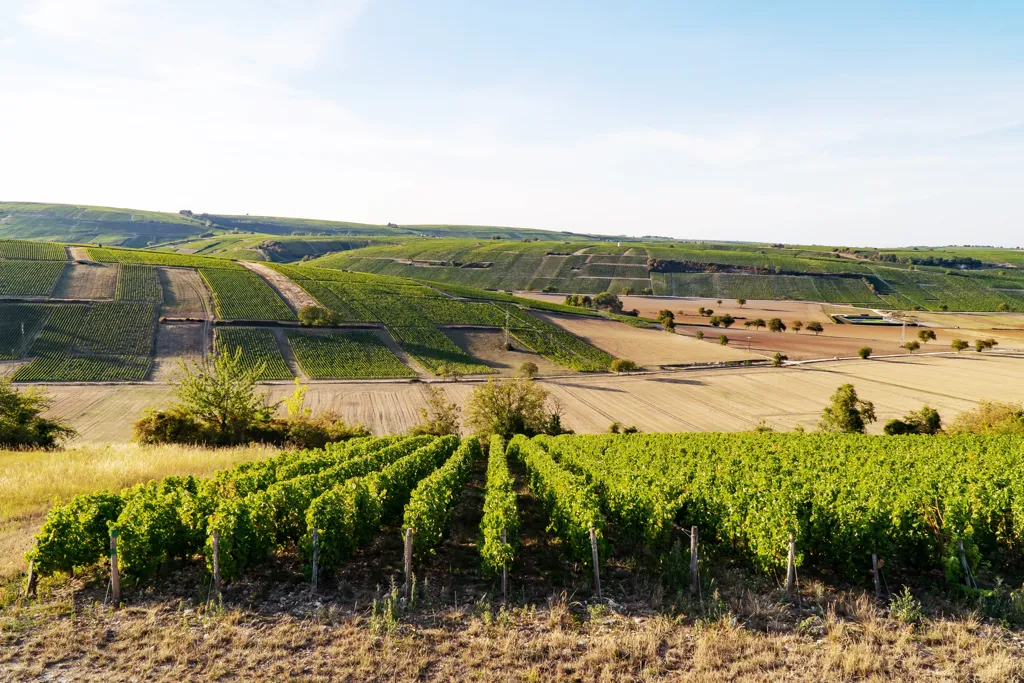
(648, 348)
(701, 400)
(174, 342)
(87, 281)
(293, 295)
(185, 294)
(485, 346)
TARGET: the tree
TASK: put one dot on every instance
(1003, 307)
(698, 335)
(912, 346)
(726, 320)
(509, 407)
(983, 344)
(701, 311)
(815, 327)
(959, 345)
(926, 335)
(449, 371)
(742, 302)
(317, 316)
(864, 352)
(708, 312)
(718, 301)
(776, 325)
(797, 325)
(924, 421)
(778, 359)
(528, 370)
(990, 417)
(665, 314)
(439, 418)
(669, 325)
(715, 320)
(847, 413)
(609, 301)
(723, 340)
(21, 423)
(623, 365)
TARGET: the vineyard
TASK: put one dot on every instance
(92, 343)
(29, 278)
(435, 351)
(138, 283)
(32, 251)
(18, 326)
(244, 295)
(159, 258)
(345, 493)
(260, 351)
(352, 355)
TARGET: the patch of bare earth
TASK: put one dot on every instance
(79, 253)
(487, 347)
(177, 341)
(647, 347)
(185, 294)
(87, 281)
(295, 296)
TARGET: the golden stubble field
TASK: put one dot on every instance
(702, 400)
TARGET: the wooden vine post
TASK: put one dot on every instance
(504, 572)
(316, 558)
(408, 562)
(115, 570)
(966, 567)
(597, 569)
(791, 567)
(694, 574)
(30, 587)
(216, 563)
(878, 579)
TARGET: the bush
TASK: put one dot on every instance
(723, 340)
(990, 417)
(316, 316)
(924, 421)
(509, 407)
(623, 365)
(698, 335)
(439, 418)
(847, 413)
(528, 370)
(778, 359)
(21, 424)
(864, 352)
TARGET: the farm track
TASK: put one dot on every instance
(289, 353)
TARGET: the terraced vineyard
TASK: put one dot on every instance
(159, 258)
(244, 295)
(435, 352)
(18, 325)
(352, 355)
(32, 251)
(30, 278)
(91, 343)
(259, 350)
(138, 283)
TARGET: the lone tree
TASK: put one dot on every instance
(797, 325)
(776, 325)
(21, 424)
(741, 302)
(317, 316)
(912, 346)
(512, 406)
(528, 370)
(924, 421)
(815, 327)
(847, 413)
(665, 314)
(698, 335)
(778, 359)
(926, 335)
(959, 345)
(609, 301)
(723, 340)
(727, 321)
(983, 344)
(864, 352)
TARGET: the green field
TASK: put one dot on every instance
(259, 348)
(244, 295)
(29, 278)
(138, 283)
(92, 342)
(32, 251)
(351, 355)
(159, 258)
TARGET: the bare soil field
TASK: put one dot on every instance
(687, 307)
(649, 348)
(732, 399)
(294, 296)
(87, 281)
(185, 294)
(177, 341)
(486, 346)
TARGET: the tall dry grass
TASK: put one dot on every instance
(30, 481)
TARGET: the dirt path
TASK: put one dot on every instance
(294, 296)
(289, 353)
(78, 254)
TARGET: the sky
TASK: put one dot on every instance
(868, 123)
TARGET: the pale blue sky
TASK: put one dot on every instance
(869, 123)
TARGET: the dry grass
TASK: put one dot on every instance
(175, 640)
(31, 480)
